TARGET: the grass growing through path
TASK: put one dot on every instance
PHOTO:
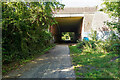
(90, 63)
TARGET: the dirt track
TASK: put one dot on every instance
(55, 64)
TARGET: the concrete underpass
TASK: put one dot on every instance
(67, 24)
(79, 21)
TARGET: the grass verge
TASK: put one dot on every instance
(9, 67)
(93, 64)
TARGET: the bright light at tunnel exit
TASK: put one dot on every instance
(67, 36)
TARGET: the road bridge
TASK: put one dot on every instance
(78, 20)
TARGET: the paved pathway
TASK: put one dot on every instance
(55, 64)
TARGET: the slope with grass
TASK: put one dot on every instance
(94, 62)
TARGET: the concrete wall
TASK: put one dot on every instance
(87, 25)
(79, 31)
(96, 22)
(55, 32)
(92, 20)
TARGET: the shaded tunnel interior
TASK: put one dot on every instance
(67, 24)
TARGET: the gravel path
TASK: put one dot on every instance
(55, 64)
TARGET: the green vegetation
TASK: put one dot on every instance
(65, 36)
(14, 65)
(92, 60)
(113, 9)
(25, 29)
(68, 36)
(97, 58)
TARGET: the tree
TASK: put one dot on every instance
(113, 9)
(24, 28)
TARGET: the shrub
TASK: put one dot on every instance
(24, 28)
(81, 44)
(115, 48)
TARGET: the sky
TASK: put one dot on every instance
(81, 3)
